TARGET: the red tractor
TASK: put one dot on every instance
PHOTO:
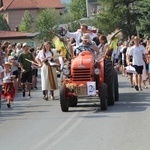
(86, 76)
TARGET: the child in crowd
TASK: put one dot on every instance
(14, 70)
(8, 90)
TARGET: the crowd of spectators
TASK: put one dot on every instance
(19, 59)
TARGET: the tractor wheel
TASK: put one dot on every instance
(116, 88)
(103, 96)
(63, 99)
(108, 79)
(73, 100)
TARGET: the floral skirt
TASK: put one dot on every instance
(8, 91)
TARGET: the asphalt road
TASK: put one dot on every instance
(35, 124)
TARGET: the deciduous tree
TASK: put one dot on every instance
(144, 19)
(3, 23)
(47, 21)
(78, 8)
(118, 14)
(26, 23)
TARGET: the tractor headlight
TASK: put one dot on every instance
(66, 71)
(97, 71)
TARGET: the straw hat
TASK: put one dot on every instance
(136, 38)
(85, 37)
(7, 63)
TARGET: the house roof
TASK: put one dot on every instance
(31, 4)
(15, 35)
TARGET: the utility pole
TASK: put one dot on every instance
(87, 8)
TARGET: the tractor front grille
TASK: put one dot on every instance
(81, 74)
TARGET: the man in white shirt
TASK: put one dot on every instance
(137, 52)
(78, 34)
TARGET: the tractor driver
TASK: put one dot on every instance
(88, 45)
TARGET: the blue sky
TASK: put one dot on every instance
(65, 1)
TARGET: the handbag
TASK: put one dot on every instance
(130, 69)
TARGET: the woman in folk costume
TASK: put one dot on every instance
(8, 91)
(47, 63)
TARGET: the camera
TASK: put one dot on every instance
(61, 31)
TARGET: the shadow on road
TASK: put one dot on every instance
(131, 102)
(128, 102)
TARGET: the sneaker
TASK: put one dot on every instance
(23, 93)
(136, 87)
(29, 96)
(52, 97)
